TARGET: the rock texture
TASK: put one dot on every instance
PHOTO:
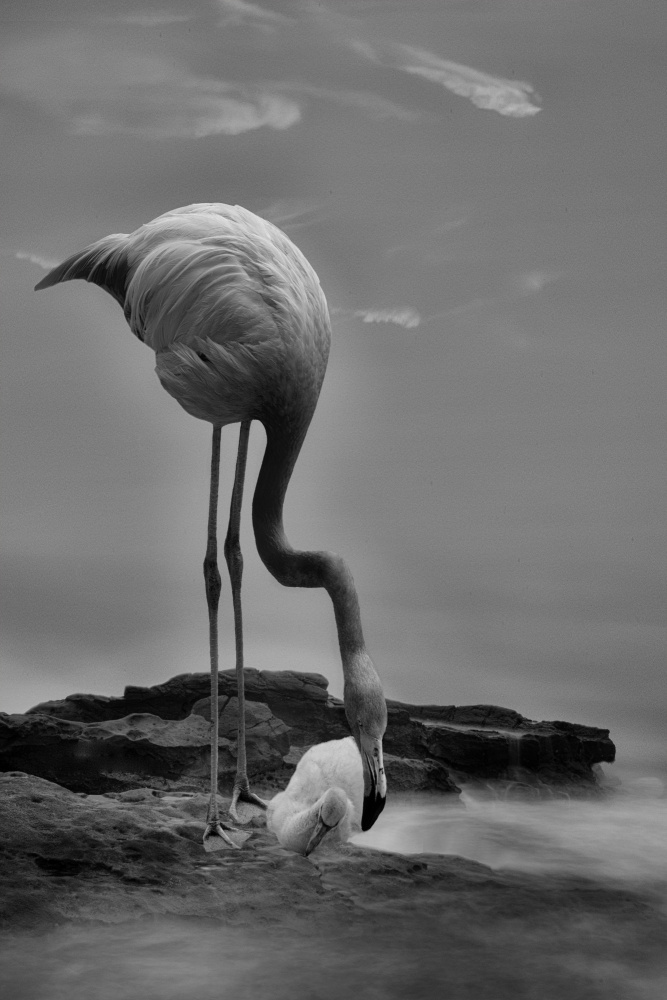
(158, 736)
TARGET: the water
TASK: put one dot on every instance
(618, 839)
(588, 929)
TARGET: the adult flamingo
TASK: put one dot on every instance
(241, 332)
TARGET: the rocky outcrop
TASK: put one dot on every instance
(142, 749)
(293, 697)
(484, 742)
(158, 736)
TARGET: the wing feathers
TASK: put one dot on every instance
(104, 263)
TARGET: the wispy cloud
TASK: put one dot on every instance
(291, 213)
(434, 244)
(408, 318)
(242, 12)
(100, 90)
(364, 49)
(513, 288)
(513, 98)
(493, 93)
(196, 108)
(46, 263)
(532, 282)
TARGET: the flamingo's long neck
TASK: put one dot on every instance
(301, 569)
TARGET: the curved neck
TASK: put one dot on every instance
(290, 567)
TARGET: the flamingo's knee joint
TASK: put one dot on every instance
(212, 580)
(234, 559)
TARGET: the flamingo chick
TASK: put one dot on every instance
(325, 794)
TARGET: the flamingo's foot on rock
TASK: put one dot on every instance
(216, 839)
(252, 806)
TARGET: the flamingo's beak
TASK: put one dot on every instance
(375, 782)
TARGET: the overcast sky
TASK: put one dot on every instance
(480, 186)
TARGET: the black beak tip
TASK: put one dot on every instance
(373, 806)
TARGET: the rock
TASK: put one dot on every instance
(405, 774)
(282, 690)
(112, 896)
(265, 734)
(142, 750)
(126, 848)
(159, 736)
(479, 716)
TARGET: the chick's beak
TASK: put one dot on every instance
(375, 782)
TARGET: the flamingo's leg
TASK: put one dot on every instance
(235, 565)
(215, 837)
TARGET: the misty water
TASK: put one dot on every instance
(620, 837)
(614, 842)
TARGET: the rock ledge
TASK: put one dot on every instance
(158, 737)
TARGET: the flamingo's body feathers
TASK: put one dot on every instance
(232, 309)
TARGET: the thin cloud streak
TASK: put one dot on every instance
(492, 93)
(46, 263)
(292, 213)
(104, 90)
(209, 108)
(529, 283)
(434, 244)
(408, 318)
(242, 12)
(512, 98)
(516, 287)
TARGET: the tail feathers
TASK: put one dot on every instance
(104, 263)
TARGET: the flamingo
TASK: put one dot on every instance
(324, 794)
(241, 332)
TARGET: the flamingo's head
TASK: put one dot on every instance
(366, 713)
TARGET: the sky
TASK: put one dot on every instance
(480, 186)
